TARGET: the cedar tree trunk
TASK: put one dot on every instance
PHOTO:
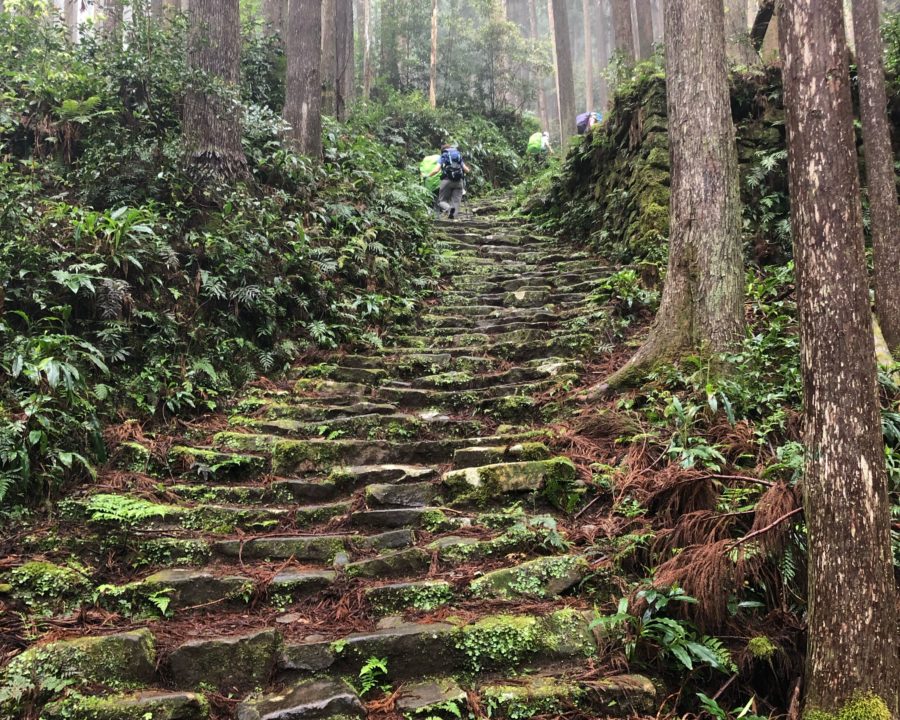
(303, 86)
(588, 55)
(879, 168)
(345, 75)
(541, 91)
(702, 305)
(644, 18)
(212, 108)
(622, 30)
(367, 48)
(737, 38)
(565, 80)
(852, 604)
(432, 78)
(328, 67)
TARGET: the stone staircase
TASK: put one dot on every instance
(391, 523)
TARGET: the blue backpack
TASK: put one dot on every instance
(452, 165)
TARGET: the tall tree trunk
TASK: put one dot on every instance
(346, 78)
(852, 626)
(70, 15)
(156, 9)
(303, 85)
(432, 78)
(737, 36)
(588, 55)
(212, 111)
(879, 168)
(565, 79)
(390, 46)
(543, 114)
(623, 32)
(273, 14)
(702, 304)
(112, 18)
(602, 33)
(644, 19)
(367, 48)
(658, 21)
(328, 68)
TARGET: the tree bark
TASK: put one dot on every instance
(588, 55)
(601, 31)
(432, 80)
(658, 22)
(852, 603)
(565, 79)
(212, 111)
(70, 15)
(702, 303)
(112, 20)
(367, 48)
(644, 18)
(737, 37)
(880, 176)
(303, 86)
(328, 67)
(390, 47)
(273, 14)
(156, 9)
(622, 30)
(541, 90)
(345, 78)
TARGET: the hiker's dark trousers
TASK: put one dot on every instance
(450, 195)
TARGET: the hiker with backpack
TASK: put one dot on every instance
(453, 171)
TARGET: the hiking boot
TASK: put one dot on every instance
(452, 214)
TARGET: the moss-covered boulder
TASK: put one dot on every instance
(424, 595)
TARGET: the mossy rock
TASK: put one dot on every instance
(139, 706)
(168, 552)
(119, 661)
(212, 464)
(426, 595)
(492, 482)
(541, 578)
(530, 697)
(47, 588)
(228, 663)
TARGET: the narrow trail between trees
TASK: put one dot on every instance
(376, 534)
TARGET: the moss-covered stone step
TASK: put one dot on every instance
(394, 598)
(430, 518)
(407, 495)
(342, 393)
(210, 464)
(543, 695)
(492, 482)
(339, 374)
(471, 381)
(185, 588)
(401, 563)
(542, 578)
(459, 399)
(230, 664)
(496, 454)
(323, 548)
(432, 698)
(319, 699)
(307, 411)
(569, 345)
(145, 705)
(294, 457)
(126, 512)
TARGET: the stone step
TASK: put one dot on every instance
(568, 345)
(321, 548)
(398, 425)
(491, 483)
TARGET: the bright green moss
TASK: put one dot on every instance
(864, 707)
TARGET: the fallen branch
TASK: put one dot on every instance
(757, 533)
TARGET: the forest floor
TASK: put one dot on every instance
(429, 531)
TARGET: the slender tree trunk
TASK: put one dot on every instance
(344, 70)
(212, 111)
(112, 18)
(852, 625)
(644, 19)
(702, 303)
(156, 8)
(328, 68)
(432, 80)
(541, 90)
(623, 32)
(273, 14)
(390, 46)
(367, 48)
(880, 175)
(303, 86)
(588, 55)
(737, 36)
(601, 27)
(658, 22)
(565, 79)
(70, 15)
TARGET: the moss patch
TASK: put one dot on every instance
(864, 707)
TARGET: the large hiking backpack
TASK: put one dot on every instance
(452, 165)
(583, 122)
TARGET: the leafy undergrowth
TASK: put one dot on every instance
(127, 292)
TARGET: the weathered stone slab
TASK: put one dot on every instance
(493, 481)
(240, 662)
(542, 578)
(306, 700)
(139, 706)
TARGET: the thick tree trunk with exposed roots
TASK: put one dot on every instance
(702, 303)
(345, 77)
(879, 168)
(623, 32)
(212, 108)
(644, 17)
(303, 86)
(852, 603)
(565, 78)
